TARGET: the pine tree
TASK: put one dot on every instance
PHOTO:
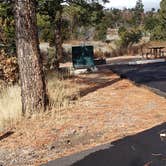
(138, 12)
(33, 88)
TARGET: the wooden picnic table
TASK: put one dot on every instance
(155, 51)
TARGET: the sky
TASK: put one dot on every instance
(148, 4)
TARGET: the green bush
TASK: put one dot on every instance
(101, 32)
(158, 33)
(129, 37)
(150, 23)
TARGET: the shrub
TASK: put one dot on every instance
(8, 68)
(101, 32)
(129, 37)
(158, 33)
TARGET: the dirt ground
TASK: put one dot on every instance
(109, 108)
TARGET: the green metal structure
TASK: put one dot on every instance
(82, 57)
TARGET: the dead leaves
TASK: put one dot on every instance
(8, 68)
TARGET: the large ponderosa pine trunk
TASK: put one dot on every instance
(33, 88)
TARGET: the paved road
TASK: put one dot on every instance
(133, 150)
(150, 75)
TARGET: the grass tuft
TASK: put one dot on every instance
(10, 106)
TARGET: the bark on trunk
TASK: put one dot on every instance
(55, 63)
(56, 29)
(33, 89)
(58, 36)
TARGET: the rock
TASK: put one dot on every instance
(52, 147)
(68, 142)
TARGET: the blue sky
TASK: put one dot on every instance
(148, 4)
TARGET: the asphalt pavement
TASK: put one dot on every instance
(152, 76)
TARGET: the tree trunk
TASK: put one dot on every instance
(58, 36)
(56, 29)
(33, 89)
(52, 42)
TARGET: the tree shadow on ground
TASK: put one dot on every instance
(6, 135)
(142, 149)
(107, 83)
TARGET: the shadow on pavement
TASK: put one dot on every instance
(137, 150)
(142, 149)
(151, 75)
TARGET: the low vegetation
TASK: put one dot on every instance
(8, 68)
(10, 106)
(60, 92)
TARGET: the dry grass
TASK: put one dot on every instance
(59, 91)
(133, 50)
(10, 106)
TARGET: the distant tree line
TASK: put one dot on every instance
(135, 23)
(73, 19)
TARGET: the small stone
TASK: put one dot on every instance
(51, 147)
(74, 131)
(68, 142)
